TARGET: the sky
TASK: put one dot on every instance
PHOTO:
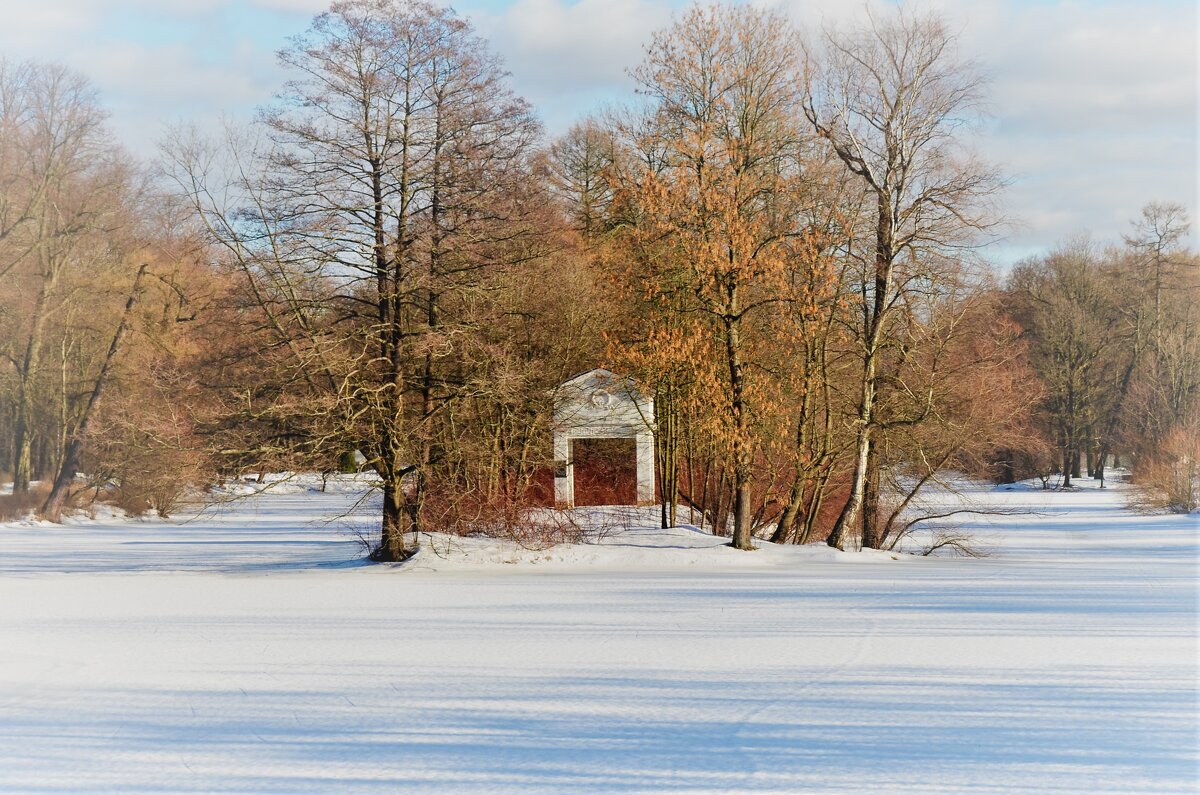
(1093, 104)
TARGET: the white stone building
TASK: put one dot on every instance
(601, 405)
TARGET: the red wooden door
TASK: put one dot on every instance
(605, 471)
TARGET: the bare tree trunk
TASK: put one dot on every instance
(742, 538)
(1101, 460)
(872, 532)
(704, 508)
(22, 430)
(396, 524)
(849, 534)
(721, 509)
(691, 483)
(666, 443)
(814, 507)
(673, 469)
(847, 531)
(21, 449)
(53, 507)
(785, 529)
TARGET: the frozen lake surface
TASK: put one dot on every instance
(250, 649)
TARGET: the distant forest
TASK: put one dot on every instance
(781, 240)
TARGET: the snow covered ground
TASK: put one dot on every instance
(250, 649)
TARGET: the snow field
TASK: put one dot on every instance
(250, 650)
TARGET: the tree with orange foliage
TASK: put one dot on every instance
(814, 328)
(715, 212)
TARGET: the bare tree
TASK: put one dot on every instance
(1155, 240)
(892, 98)
(968, 363)
(52, 508)
(579, 166)
(1113, 339)
(64, 223)
(373, 228)
(1065, 312)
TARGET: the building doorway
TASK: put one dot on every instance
(599, 418)
(605, 471)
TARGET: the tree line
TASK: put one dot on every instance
(780, 237)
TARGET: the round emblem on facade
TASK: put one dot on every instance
(601, 399)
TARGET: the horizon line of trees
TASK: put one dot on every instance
(779, 241)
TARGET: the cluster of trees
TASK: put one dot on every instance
(773, 199)
(1114, 337)
(81, 245)
(778, 240)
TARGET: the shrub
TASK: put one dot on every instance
(501, 516)
(1169, 480)
(18, 506)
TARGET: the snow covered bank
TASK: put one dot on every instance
(650, 661)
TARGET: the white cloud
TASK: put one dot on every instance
(1095, 107)
(305, 6)
(591, 41)
(203, 71)
(566, 57)
(1112, 66)
(32, 26)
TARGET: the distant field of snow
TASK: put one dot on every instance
(250, 649)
